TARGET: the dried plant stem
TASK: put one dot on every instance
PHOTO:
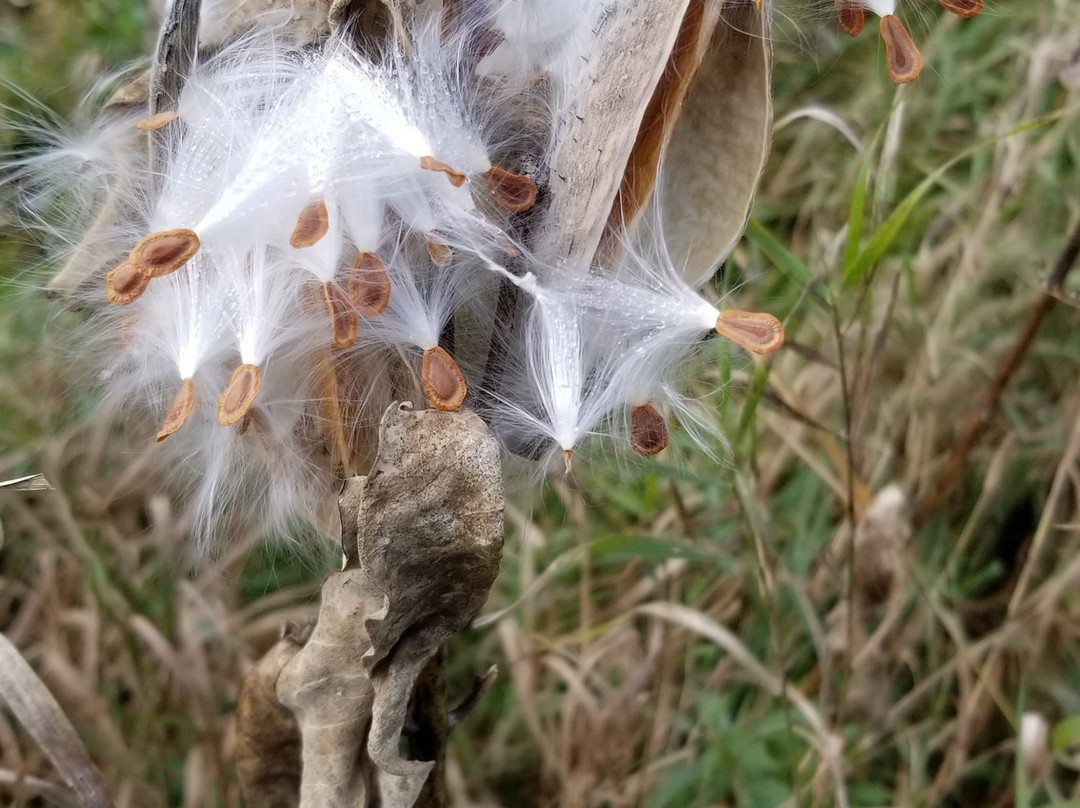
(991, 396)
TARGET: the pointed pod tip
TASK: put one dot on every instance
(443, 381)
(179, 410)
(648, 430)
(311, 225)
(239, 394)
(512, 192)
(165, 251)
(429, 163)
(125, 283)
(903, 57)
(755, 331)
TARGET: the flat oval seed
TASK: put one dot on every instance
(648, 430)
(851, 15)
(157, 121)
(444, 383)
(903, 58)
(512, 192)
(125, 283)
(441, 254)
(179, 411)
(311, 225)
(755, 331)
(369, 285)
(165, 251)
(457, 179)
(342, 315)
(239, 394)
(963, 8)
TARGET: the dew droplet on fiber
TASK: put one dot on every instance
(963, 8)
(755, 331)
(369, 285)
(239, 394)
(311, 225)
(441, 254)
(125, 283)
(443, 381)
(179, 410)
(342, 315)
(157, 121)
(164, 252)
(512, 192)
(851, 15)
(648, 430)
(903, 57)
(457, 179)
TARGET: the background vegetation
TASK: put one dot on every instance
(678, 632)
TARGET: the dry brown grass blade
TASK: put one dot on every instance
(32, 703)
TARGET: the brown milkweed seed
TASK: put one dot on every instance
(851, 15)
(157, 121)
(755, 331)
(441, 254)
(369, 285)
(165, 251)
(125, 284)
(457, 179)
(311, 225)
(342, 315)
(963, 8)
(239, 394)
(903, 58)
(512, 192)
(179, 411)
(648, 431)
(444, 383)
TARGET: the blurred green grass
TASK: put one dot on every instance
(609, 694)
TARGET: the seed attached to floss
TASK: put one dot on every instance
(755, 331)
(648, 430)
(512, 192)
(963, 8)
(125, 283)
(441, 254)
(342, 315)
(179, 411)
(852, 16)
(457, 179)
(311, 225)
(444, 383)
(165, 251)
(904, 60)
(239, 394)
(369, 285)
(157, 121)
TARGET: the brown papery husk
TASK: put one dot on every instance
(755, 331)
(963, 8)
(457, 179)
(443, 381)
(125, 284)
(852, 16)
(902, 56)
(239, 394)
(648, 430)
(342, 315)
(179, 411)
(512, 192)
(165, 251)
(369, 285)
(311, 225)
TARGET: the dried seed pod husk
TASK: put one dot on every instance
(443, 381)
(126, 283)
(755, 331)
(179, 410)
(648, 430)
(239, 394)
(963, 8)
(164, 252)
(457, 179)
(852, 16)
(512, 192)
(902, 56)
(369, 285)
(342, 315)
(311, 225)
